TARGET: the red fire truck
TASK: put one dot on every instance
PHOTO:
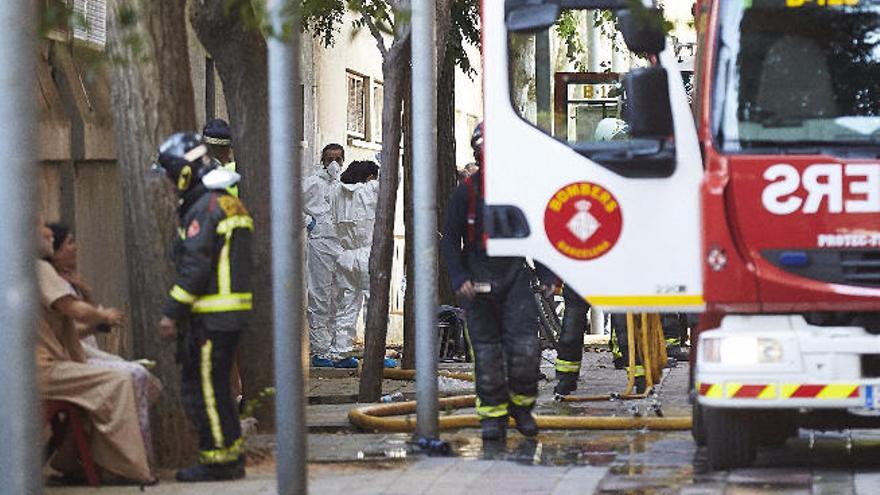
(765, 215)
(788, 115)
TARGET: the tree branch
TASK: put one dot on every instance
(377, 34)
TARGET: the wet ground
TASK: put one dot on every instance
(346, 461)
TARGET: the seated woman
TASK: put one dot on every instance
(146, 386)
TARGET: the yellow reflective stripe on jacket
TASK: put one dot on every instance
(564, 366)
(181, 295)
(225, 228)
(224, 271)
(222, 455)
(221, 303)
(491, 411)
(227, 225)
(522, 400)
(210, 399)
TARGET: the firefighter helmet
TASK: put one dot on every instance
(217, 133)
(182, 159)
(477, 142)
(611, 129)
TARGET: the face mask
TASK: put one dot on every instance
(333, 170)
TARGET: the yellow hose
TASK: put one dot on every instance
(646, 338)
(378, 417)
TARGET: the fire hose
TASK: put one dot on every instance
(647, 340)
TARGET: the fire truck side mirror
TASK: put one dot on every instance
(531, 18)
(642, 29)
(647, 111)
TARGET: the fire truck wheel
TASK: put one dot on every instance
(730, 437)
(698, 428)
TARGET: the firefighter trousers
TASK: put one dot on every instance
(570, 348)
(206, 359)
(502, 330)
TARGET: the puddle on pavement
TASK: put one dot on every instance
(578, 448)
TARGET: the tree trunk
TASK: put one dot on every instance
(395, 67)
(152, 97)
(240, 56)
(409, 317)
(446, 166)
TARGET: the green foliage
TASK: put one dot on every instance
(323, 19)
(465, 31)
(567, 30)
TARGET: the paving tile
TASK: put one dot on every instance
(866, 483)
(774, 476)
(833, 482)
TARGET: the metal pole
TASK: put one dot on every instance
(19, 427)
(285, 120)
(424, 101)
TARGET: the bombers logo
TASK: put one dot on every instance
(583, 221)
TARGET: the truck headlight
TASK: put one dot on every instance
(740, 350)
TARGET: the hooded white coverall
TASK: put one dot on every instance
(323, 249)
(354, 212)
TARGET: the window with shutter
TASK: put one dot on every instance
(356, 124)
(92, 21)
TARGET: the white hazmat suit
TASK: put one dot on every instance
(323, 250)
(354, 212)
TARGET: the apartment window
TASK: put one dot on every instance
(357, 106)
(92, 21)
(378, 101)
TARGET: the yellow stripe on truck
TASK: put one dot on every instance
(643, 301)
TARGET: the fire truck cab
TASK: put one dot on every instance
(765, 214)
(788, 115)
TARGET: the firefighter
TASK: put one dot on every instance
(501, 313)
(209, 305)
(218, 137)
(570, 348)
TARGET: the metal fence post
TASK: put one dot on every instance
(19, 428)
(424, 101)
(285, 122)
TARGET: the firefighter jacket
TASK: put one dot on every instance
(212, 257)
(462, 244)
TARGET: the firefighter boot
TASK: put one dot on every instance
(525, 422)
(494, 429)
(566, 384)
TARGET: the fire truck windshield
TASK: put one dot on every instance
(797, 72)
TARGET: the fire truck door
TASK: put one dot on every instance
(615, 216)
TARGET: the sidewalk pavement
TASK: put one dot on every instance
(349, 462)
